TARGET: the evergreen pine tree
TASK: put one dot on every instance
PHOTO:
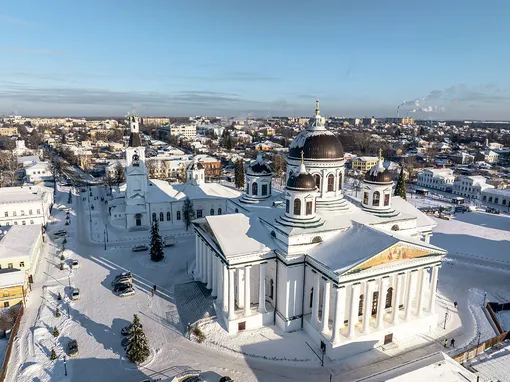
(156, 243)
(53, 355)
(188, 212)
(59, 297)
(137, 349)
(400, 189)
(69, 198)
(239, 174)
(229, 143)
(55, 332)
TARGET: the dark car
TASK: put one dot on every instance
(72, 348)
(122, 276)
(121, 287)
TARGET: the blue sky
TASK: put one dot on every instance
(447, 59)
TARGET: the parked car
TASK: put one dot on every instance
(60, 233)
(124, 342)
(75, 295)
(139, 248)
(75, 264)
(121, 287)
(126, 329)
(123, 275)
(123, 280)
(83, 190)
(169, 241)
(72, 348)
(126, 292)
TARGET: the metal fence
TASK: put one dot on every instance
(14, 332)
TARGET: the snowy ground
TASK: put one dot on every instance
(96, 319)
(504, 319)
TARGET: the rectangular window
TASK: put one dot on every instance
(24, 222)
(38, 211)
(30, 212)
(6, 214)
(22, 264)
(9, 265)
(13, 213)
(309, 207)
(199, 213)
(31, 222)
(22, 212)
(6, 304)
(365, 198)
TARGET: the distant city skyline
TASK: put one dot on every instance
(439, 60)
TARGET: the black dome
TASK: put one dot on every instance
(318, 144)
(196, 166)
(379, 176)
(257, 167)
(302, 181)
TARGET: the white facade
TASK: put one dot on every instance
(494, 196)
(350, 277)
(186, 131)
(38, 172)
(438, 179)
(489, 156)
(25, 205)
(470, 186)
(20, 247)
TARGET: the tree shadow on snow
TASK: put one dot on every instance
(500, 222)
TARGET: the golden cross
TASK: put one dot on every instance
(317, 107)
(380, 154)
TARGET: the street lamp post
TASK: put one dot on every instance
(106, 229)
(65, 366)
(105, 239)
(479, 334)
(445, 318)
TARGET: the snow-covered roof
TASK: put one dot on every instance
(18, 240)
(436, 367)
(22, 194)
(12, 278)
(239, 234)
(161, 191)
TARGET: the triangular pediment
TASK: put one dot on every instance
(399, 252)
(137, 195)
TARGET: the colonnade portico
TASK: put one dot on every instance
(221, 279)
(413, 289)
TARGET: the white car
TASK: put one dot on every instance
(75, 295)
(126, 292)
(75, 264)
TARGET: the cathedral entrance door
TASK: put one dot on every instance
(138, 218)
(375, 301)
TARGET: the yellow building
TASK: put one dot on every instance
(363, 163)
(13, 287)
(8, 131)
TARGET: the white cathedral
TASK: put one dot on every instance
(354, 274)
(141, 201)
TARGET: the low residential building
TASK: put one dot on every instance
(38, 172)
(363, 163)
(211, 165)
(437, 178)
(470, 186)
(462, 158)
(488, 156)
(20, 247)
(14, 287)
(25, 205)
(494, 196)
(8, 131)
(185, 131)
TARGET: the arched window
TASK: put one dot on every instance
(365, 197)
(264, 189)
(211, 212)
(247, 188)
(220, 211)
(496, 200)
(386, 199)
(504, 202)
(317, 181)
(168, 216)
(490, 199)
(161, 216)
(154, 217)
(254, 188)
(331, 182)
(361, 303)
(297, 206)
(389, 297)
(309, 207)
(340, 182)
(485, 198)
(375, 301)
(375, 200)
(287, 205)
(178, 215)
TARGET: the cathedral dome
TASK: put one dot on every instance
(316, 142)
(259, 167)
(379, 173)
(302, 181)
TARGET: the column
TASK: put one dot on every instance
(353, 313)
(336, 182)
(247, 290)
(204, 261)
(197, 259)
(338, 318)
(208, 260)
(315, 302)
(325, 306)
(219, 284)
(423, 281)
(409, 294)
(396, 298)
(433, 287)
(240, 288)
(214, 275)
(383, 289)
(231, 291)
(367, 311)
(324, 183)
(224, 290)
(262, 288)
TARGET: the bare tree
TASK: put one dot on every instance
(9, 165)
(119, 176)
